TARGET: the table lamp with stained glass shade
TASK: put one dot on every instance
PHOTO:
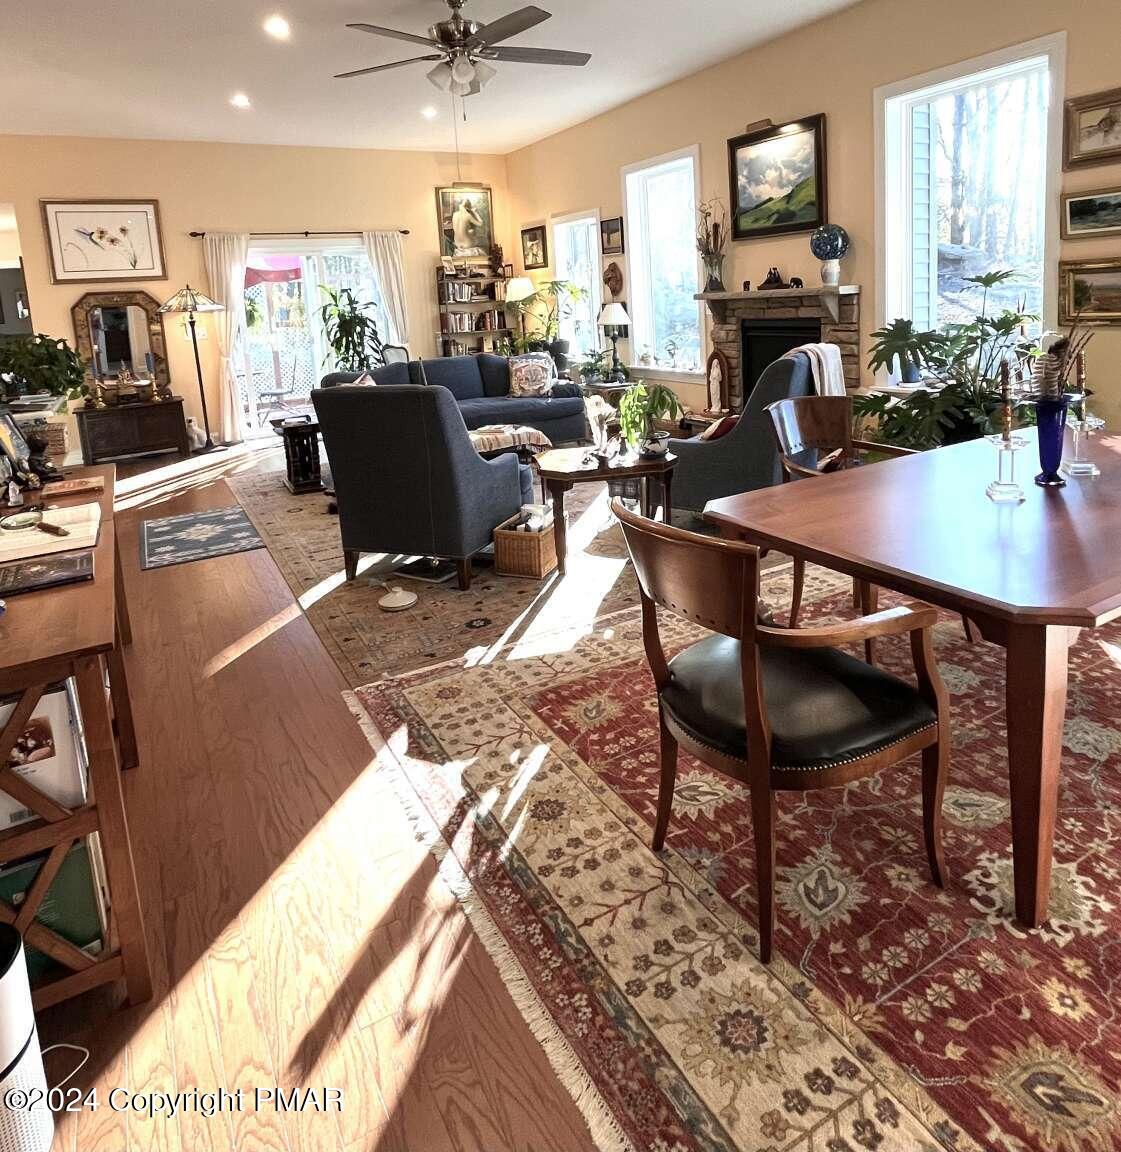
(613, 318)
(191, 302)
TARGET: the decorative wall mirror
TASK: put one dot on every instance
(125, 329)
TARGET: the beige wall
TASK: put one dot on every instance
(228, 187)
(831, 66)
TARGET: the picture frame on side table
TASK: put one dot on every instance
(465, 219)
(103, 240)
(1088, 214)
(535, 248)
(1092, 129)
(1090, 291)
(611, 239)
(12, 443)
(793, 155)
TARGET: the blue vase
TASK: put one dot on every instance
(1051, 422)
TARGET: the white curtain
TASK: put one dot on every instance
(387, 254)
(226, 254)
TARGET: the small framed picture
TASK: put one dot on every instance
(103, 240)
(1092, 213)
(448, 265)
(508, 271)
(12, 443)
(1092, 130)
(535, 248)
(1090, 291)
(611, 236)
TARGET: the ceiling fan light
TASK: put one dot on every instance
(484, 73)
(463, 71)
(441, 76)
(460, 89)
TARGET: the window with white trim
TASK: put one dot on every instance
(576, 260)
(661, 206)
(966, 170)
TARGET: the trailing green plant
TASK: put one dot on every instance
(351, 332)
(641, 406)
(963, 364)
(41, 363)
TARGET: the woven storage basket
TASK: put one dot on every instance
(529, 554)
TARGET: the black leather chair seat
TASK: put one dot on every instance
(825, 706)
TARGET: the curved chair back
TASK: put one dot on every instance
(395, 353)
(804, 426)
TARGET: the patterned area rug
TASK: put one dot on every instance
(196, 536)
(445, 624)
(895, 1016)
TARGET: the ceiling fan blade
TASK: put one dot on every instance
(392, 32)
(507, 26)
(539, 56)
(384, 67)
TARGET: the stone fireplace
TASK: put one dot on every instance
(754, 328)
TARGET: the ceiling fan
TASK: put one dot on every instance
(464, 47)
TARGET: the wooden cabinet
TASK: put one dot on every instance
(133, 430)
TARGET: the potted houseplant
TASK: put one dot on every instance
(40, 363)
(965, 359)
(548, 306)
(352, 334)
(898, 341)
(639, 408)
(594, 365)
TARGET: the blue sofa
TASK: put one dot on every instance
(481, 387)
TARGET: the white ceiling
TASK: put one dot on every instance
(134, 68)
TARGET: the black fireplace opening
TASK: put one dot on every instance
(762, 342)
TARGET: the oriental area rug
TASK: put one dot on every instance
(895, 1017)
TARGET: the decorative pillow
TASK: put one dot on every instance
(719, 428)
(366, 381)
(531, 374)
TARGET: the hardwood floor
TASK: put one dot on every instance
(299, 934)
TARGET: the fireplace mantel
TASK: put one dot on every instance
(829, 296)
(837, 307)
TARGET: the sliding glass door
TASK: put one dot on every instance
(284, 351)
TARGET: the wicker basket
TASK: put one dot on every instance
(529, 554)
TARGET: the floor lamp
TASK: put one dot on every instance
(191, 302)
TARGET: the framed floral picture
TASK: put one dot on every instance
(104, 240)
(1092, 130)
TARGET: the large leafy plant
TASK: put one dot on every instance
(351, 331)
(40, 363)
(641, 406)
(963, 362)
(546, 308)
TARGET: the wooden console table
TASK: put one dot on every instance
(76, 630)
(133, 429)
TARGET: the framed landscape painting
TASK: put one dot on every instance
(1092, 130)
(104, 240)
(466, 222)
(1090, 291)
(1092, 214)
(777, 176)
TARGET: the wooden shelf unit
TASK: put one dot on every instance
(487, 298)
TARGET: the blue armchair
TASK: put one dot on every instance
(407, 477)
(747, 457)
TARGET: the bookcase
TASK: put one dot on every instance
(472, 312)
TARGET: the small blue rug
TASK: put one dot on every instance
(196, 536)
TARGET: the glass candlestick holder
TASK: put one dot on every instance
(1082, 426)
(1004, 489)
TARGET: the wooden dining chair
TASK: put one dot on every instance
(779, 708)
(814, 437)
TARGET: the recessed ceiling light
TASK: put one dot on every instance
(277, 27)
(240, 100)
(429, 113)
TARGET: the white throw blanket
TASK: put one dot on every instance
(825, 367)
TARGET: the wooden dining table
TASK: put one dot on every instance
(1029, 575)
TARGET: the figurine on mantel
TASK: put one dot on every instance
(774, 280)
